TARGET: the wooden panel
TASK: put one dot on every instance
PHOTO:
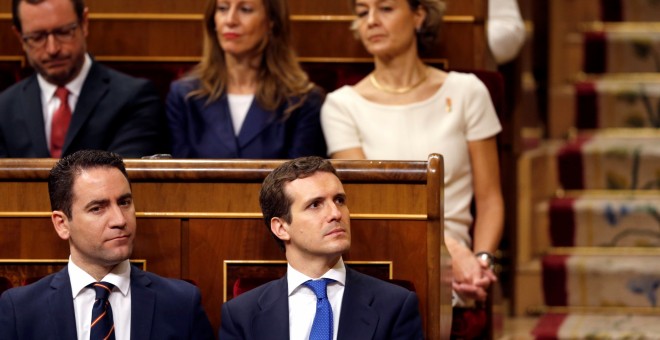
(30, 238)
(159, 242)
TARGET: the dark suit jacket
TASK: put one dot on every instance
(115, 112)
(160, 309)
(201, 130)
(371, 309)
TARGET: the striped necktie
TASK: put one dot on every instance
(322, 326)
(103, 327)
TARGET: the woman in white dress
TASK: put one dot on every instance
(406, 110)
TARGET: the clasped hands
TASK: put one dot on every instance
(472, 276)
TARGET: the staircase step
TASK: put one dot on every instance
(618, 102)
(621, 48)
(595, 326)
(602, 280)
(611, 161)
(630, 10)
(615, 220)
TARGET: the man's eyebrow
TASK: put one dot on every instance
(96, 202)
(107, 201)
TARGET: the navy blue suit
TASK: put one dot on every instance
(160, 309)
(371, 309)
(115, 112)
(201, 130)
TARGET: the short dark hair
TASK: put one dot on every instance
(273, 199)
(64, 173)
(78, 7)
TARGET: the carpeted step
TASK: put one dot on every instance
(608, 280)
(594, 326)
(621, 48)
(618, 102)
(611, 161)
(630, 10)
(616, 220)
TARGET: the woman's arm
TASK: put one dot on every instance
(489, 219)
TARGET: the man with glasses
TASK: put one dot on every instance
(73, 102)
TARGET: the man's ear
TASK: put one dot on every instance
(280, 228)
(61, 224)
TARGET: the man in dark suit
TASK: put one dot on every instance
(304, 207)
(93, 209)
(72, 102)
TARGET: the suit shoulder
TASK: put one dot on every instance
(379, 286)
(122, 78)
(11, 92)
(28, 292)
(170, 284)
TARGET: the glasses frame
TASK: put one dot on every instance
(63, 34)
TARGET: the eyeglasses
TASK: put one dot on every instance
(63, 34)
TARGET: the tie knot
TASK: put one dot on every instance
(103, 289)
(62, 93)
(319, 287)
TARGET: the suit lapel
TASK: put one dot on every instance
(257, 120)
(33, 115)
(272, 321)
(96, 85)
(358, 319)
(143, 301)
(219, 118)
(60, 306)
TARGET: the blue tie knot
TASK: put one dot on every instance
(319, 287)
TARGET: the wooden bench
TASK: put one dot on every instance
(200, 220)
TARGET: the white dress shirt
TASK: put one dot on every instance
(120, 299)
(302, 300)
(50, 103)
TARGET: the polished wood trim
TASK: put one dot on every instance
(459, 19)
(439, 302)
(146, 16)
(224, 215)
(225, 170)
(622, 27)
(147, 59)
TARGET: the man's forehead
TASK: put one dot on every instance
(316, 185)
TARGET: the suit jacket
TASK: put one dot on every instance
(115, 112)
(201, 130)
(370, 309)
(160, 309)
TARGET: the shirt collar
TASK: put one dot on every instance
(120, 277)
(74, 86)
(296, 278)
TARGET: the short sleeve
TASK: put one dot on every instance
(339, 128)
(480, 116)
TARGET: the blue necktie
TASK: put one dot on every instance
(322, 326)
(103, 327)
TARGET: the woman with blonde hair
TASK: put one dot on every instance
(406, 110)
(248, 97)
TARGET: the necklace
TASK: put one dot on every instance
(401, 90)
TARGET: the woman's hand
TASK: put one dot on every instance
(471, 276)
